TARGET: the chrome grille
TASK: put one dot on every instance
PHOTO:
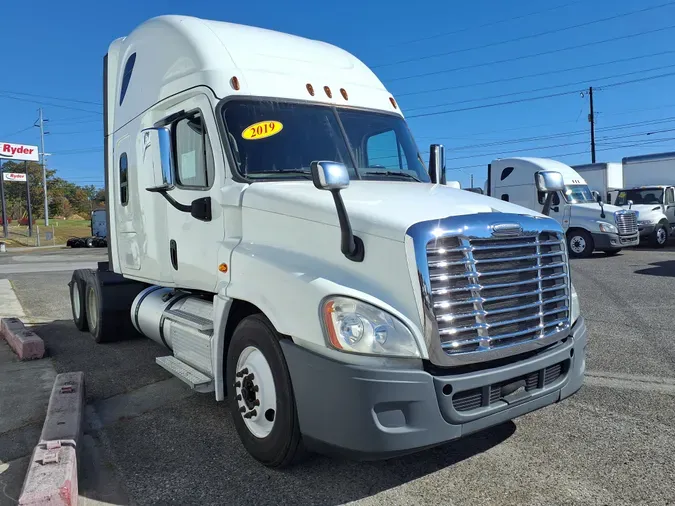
(626, 222)
(489, 293)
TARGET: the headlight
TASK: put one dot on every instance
(607, 228)
(357, 327)
(646, 222)
(576, 310)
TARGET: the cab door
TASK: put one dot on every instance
(193, 214)
(558, 211)
(669, 201)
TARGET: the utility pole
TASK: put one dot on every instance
(471, 180)
(41, 124)
(591, 119)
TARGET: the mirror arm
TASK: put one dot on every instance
(163, 192)
(350, 245)
(602, 210)
(547, 204)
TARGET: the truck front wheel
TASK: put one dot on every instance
(260, 394)
(580, 243)
(659, 236)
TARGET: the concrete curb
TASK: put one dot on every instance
(52, 471)
(25, 343)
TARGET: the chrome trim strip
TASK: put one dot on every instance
(479, 226)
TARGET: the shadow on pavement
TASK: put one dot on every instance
(665, 268)
(187, 451)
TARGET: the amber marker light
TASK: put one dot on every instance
(328, 320)
(222, 268)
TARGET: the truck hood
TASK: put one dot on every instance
(592, 210)
(644, 210)
(381, 208)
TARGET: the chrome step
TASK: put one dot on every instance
(189, 319)
(196, 380)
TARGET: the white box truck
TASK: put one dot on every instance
(603, 178)
(589, 225)
(273, 225)
(649, 188)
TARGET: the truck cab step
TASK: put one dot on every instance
(196, 380)
(189, 319)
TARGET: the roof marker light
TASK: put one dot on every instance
(344, 93)
(329, 93)
(234, 82)
(310, 89)
(393, 102)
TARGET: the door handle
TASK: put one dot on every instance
(173, 252)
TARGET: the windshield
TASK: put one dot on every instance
(578, 194)
(644, 196)
(279, 140)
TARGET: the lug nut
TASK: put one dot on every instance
(250, 414)
(256, 402)
(238, 397)
(237, 384)
(243, 372)
(242, 409)
(255, 388)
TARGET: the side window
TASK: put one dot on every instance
(126, 77)
(384, 151)
(194, 157)
(505, 197)
(541, 197)
(124, 179)
(670, 196)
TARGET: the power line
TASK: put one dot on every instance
(546, 88)
(17, 132)
(492, 23)
(50, 97)
(525, 37)
(528, 99)
(537, 74)
(533, 55)
(39, 102)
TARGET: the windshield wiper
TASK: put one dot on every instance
(391, 173)
(300, 172)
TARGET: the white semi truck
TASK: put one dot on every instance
(605, 178)
(649, 188)
(273, 225)
(588, 224)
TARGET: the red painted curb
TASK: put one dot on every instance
(52, 473)
(25, 343)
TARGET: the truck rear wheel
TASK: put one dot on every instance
(260, 394)
(579, 243)
(78, 286)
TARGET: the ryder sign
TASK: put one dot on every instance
(21, 152)
(13, 176)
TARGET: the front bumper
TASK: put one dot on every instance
(646, 230)
(603, 241)
(371, 413)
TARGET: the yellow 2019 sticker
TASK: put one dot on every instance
(261, 130)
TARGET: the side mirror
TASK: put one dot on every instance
(333, 176)
(549, 181)
(157, 153)
(597, 196)
(630, 204)
(437, 163)
(329, 175)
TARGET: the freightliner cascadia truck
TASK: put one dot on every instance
(272, 224)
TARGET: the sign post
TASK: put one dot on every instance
(19, 152)
(5, 232)
(30, 209)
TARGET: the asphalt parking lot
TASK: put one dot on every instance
(151, 441)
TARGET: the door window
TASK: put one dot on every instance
(194, 158)
(124, 179)
(542, 198)
(670, 196)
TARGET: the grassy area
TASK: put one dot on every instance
(62, 229)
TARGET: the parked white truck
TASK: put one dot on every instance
(273, 225)
(649, 188)
(604, 178)
(589, 225)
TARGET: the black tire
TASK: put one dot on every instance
(90, 242)
(612, 252)
(283, 445)
(101, 330)
(77, 289)
(659, 237)
(576, 239)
